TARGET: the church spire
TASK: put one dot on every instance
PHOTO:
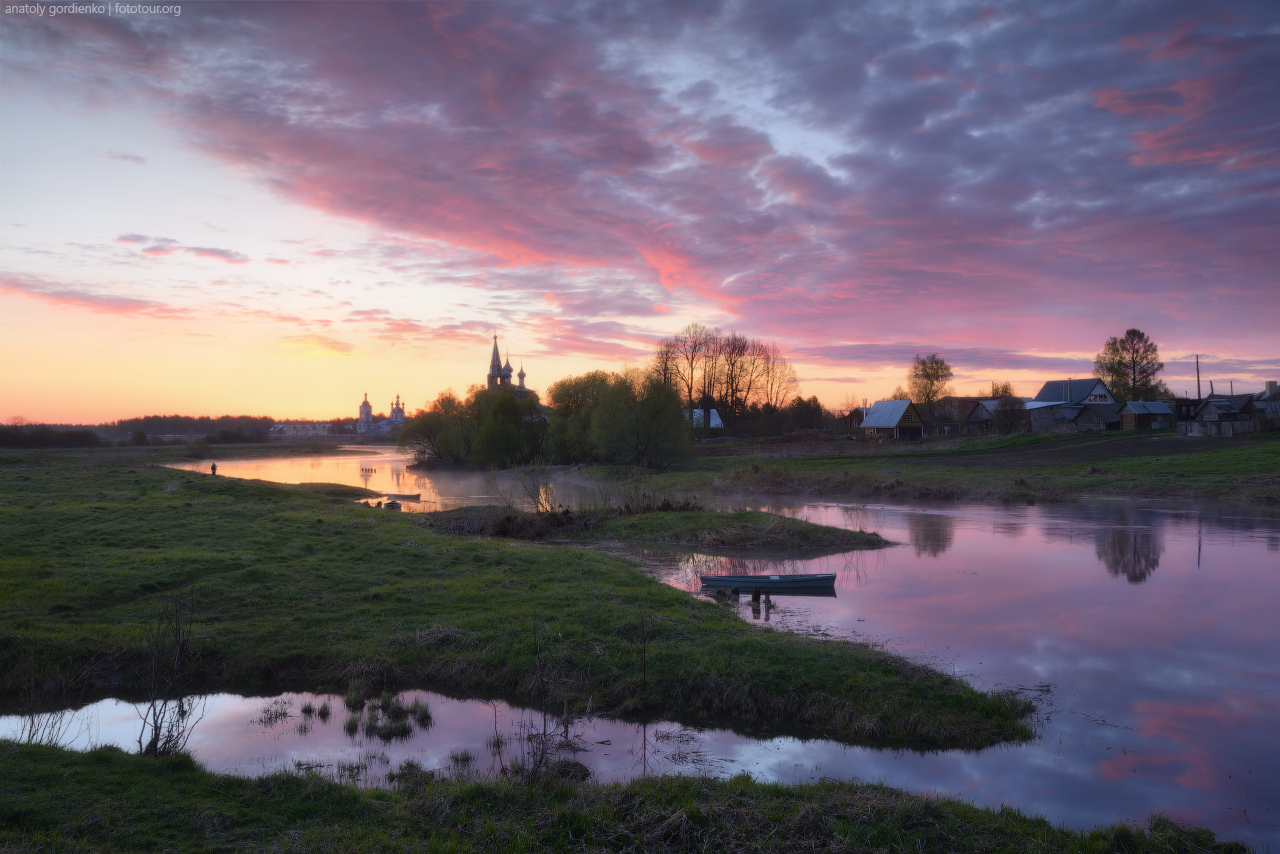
(495, 361)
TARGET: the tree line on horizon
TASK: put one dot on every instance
(644, 416)
(638, 416)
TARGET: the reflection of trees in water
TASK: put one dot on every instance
(931, 533)
(1131, 552)
(167, 725)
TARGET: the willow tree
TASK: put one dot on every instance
(1129, 366)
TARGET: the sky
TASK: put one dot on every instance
(275, 208)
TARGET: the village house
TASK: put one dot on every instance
(1226, 416)
(965, 416)
(1145, 415)
(893, 419)
(851, 421)
(1071, 405)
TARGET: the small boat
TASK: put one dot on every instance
(391, 505)
(407, 496)
(771, 583)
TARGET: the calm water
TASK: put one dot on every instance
(1147, 632)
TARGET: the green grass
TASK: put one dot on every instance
(1245, 471)
(54, 800)
(744, 529)
(298, 590)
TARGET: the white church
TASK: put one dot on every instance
(366, 426)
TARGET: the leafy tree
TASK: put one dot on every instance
(806, 414)
(573, 401)
(1129, 366)
(498, 443)
(640, 420)
(1004, 389)
(450, 429)
(513, 433)
(928, 381)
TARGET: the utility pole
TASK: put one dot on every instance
(1198, 376)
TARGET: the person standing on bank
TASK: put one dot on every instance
(214, 469)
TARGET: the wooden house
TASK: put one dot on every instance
(965, 416)
(1226, 416)
(893, 419)
(851, 421)
(1144, 415)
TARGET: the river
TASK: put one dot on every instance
(1145, 631)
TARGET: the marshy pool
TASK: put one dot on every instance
(1146, 631)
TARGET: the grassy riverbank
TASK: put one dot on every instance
(1019, 469)
(705, 529)
(56, 800)
(294, 589)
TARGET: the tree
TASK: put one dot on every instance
(778, 383)
(999, 390)
(640, 421)
(513, 433)
(806, 414)
(690, 348)
(1010, 415)
(573, 400)
(1129, 366)
(899, 394)
(928, 381)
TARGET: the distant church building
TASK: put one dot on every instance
(365, 424)
(500, 374)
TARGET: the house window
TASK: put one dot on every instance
(909, 417)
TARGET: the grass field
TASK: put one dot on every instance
(54, 800)
(293, 588)
(1019, 469)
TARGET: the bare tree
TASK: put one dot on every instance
(711, 380)
(689, 346)
(778, 383)
(665, 366)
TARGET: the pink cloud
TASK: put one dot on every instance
(972, 191)
(74, 297)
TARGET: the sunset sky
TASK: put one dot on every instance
(272, 208)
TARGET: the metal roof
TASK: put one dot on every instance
(886, 413)
(1142, 407)
(1067, 391)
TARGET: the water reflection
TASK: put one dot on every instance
(470, 739)
(1161, 694)
(167, 725)
(1135, 554)
(931, 533)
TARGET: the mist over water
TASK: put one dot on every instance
(1146, 631)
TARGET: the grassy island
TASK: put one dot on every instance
(294, 588)
(741, 529)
